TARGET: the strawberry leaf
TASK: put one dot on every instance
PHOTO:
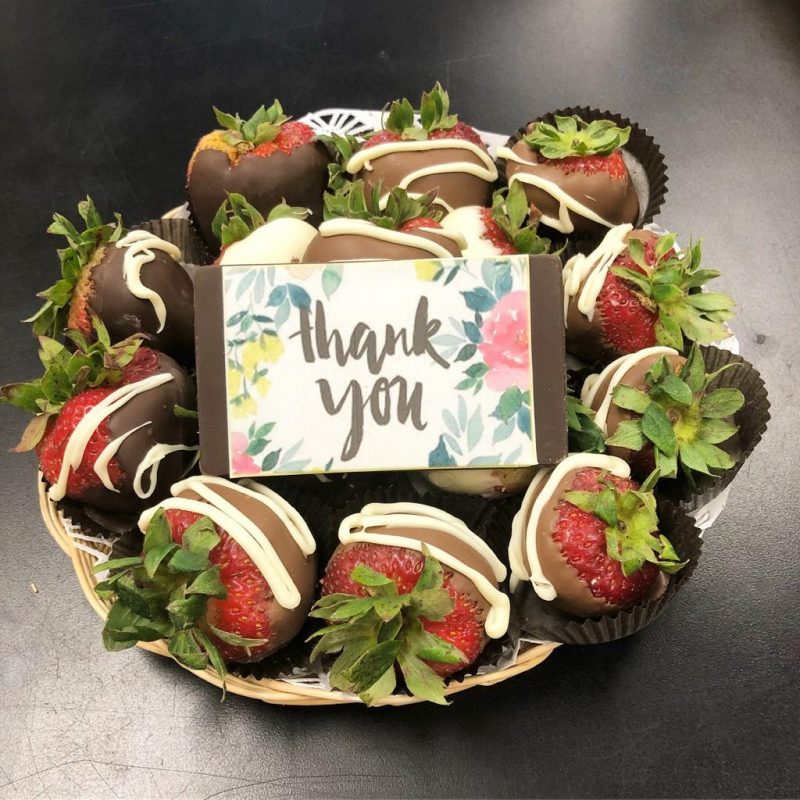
(584, 435)
(572, 136)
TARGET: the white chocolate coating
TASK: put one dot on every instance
(140, 246)
(360, 227)
(566, 201)
(526, 520)
(361, 527)
(584, 275)
(467, 222)
(617, 370)
(281, 241)
(487, 171)
(79, 439)
(242, 529)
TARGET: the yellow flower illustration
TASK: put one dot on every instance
(262, 385)
(426, 270)
(268, 348)
(234, 382)
(245, 408)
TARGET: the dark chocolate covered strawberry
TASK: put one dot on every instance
(657, 412)
(246, 237)
(437, 153)
(267, 158)
(226, 575)
(574, 174)
(506, 228)
(131, 280)
(111, 426)
(637, 290)
(407, 228)
(409, 589)
(587, 538)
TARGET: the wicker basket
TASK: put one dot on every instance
(266, 690)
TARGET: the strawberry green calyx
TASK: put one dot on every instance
(81, 249)
(163, 594)
(261, 128)
(341, 149)
(510, 211)
(671, 285)
(583, 435)
(680, 417)
(571, 136)
(351, 202)
(434, 114)
(68, 372)
(375, 634)
(236, 219)
(631, 522)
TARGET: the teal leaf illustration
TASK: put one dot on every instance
(466, 352)
(524, 420)
(235, 319)
(474, 429)
(245, 283)
(282, 314)
(453, 444)
(452, 274)
(479, 299)
(277, 296)
(331, 278)
(485, 461)
(270, 461)
(451, 423)
(259, 288)
(299, 296)
(473, 332)
(503, 431)
(462, 413)
(439, 456)
(489, 273)
(503, 284)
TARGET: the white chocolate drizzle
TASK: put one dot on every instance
(566, 202)
(365, 527)
(91, 421)
(150, 464)
(281, 241)
(526, 521)
(616, 370)
(108, 452)
(140, 246)
(584, 275)
(243, 530)
(486, 171)
(361, 227)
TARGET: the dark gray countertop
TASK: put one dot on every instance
(108, 98)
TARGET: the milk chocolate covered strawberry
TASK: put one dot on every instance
(587, 538)
(112, 425)
(574, 174)
(436, 154)
(355, 228)
(657, 412)
(130, 280)
(637, 290)
(409, 589)
(267, 158)
(226, 575)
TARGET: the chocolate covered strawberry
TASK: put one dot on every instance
(131, 280)
(436, 153)
(111, 426)
(657, 411)
(267, 158)
(246, 237)
(226, 575)
(587, 538)
(637, 290)
(583, 433)
(504, 229)
(355, 228)
(573, 173)
(409, 588)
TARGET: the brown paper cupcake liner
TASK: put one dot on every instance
(184, 235)
(543, 621)
(751, 420)
(642, 156)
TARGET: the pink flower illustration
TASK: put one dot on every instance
(242, 463)
(505, 347)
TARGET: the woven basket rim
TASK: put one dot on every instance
(268, 690)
